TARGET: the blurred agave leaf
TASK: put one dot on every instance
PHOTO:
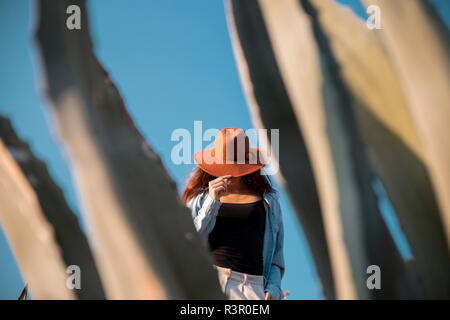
(148, 247)
(418, 42)
(30, 235)
(388, 130)
(68, 234)
(356, 233)
(270, 107)
(23, 295)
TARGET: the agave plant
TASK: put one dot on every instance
(348, 99)
(353, 105)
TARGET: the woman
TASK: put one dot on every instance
(236, 210)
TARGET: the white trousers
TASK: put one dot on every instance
(240, 286)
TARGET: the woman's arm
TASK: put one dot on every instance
(204, 210)
(205, 206)
(277, 268)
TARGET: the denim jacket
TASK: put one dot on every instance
(204, 210)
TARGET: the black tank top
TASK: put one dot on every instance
(236, 241)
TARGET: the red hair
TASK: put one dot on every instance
(199, 180)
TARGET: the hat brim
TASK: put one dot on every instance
(204, 160)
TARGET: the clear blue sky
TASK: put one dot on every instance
(173, 63)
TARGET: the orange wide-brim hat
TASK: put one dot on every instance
(231, 155)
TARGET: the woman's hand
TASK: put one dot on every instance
(218, 186)
(268, 296)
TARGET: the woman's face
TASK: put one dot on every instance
(234, 181)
